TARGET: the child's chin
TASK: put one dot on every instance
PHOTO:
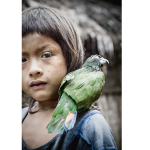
(43, 97)
(40, 98)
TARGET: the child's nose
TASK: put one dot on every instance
(35, 70)
(35, 73)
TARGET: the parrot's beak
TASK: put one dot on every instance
(103, 61)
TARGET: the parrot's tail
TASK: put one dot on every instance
(70, 121)
(64, 115)
(63, 124)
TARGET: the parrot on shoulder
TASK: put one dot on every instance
(78, 90)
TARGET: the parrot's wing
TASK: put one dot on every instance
(67, 79)
(64, 115)
(70, 76)
(66, 110)
(86, 87)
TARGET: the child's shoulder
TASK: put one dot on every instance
(95, 130)
(92, 119)
(95, 120)
(25, 108)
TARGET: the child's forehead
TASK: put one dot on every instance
(38, 41)
(35, 37)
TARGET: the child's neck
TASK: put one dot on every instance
(46, 105)
(43, 106)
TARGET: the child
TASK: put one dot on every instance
(51, 48)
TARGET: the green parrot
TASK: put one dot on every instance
(78, 90)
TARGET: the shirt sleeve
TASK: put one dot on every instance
(24, 112)
(97, 133)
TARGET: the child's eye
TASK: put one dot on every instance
(24, 60)
(46, 55)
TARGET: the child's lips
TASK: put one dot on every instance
(37, 84)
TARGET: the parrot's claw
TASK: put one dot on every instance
(95, 108)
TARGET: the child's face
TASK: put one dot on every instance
(43, 67)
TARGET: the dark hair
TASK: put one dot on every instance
(50, 22)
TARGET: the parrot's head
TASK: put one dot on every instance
(96, 61)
